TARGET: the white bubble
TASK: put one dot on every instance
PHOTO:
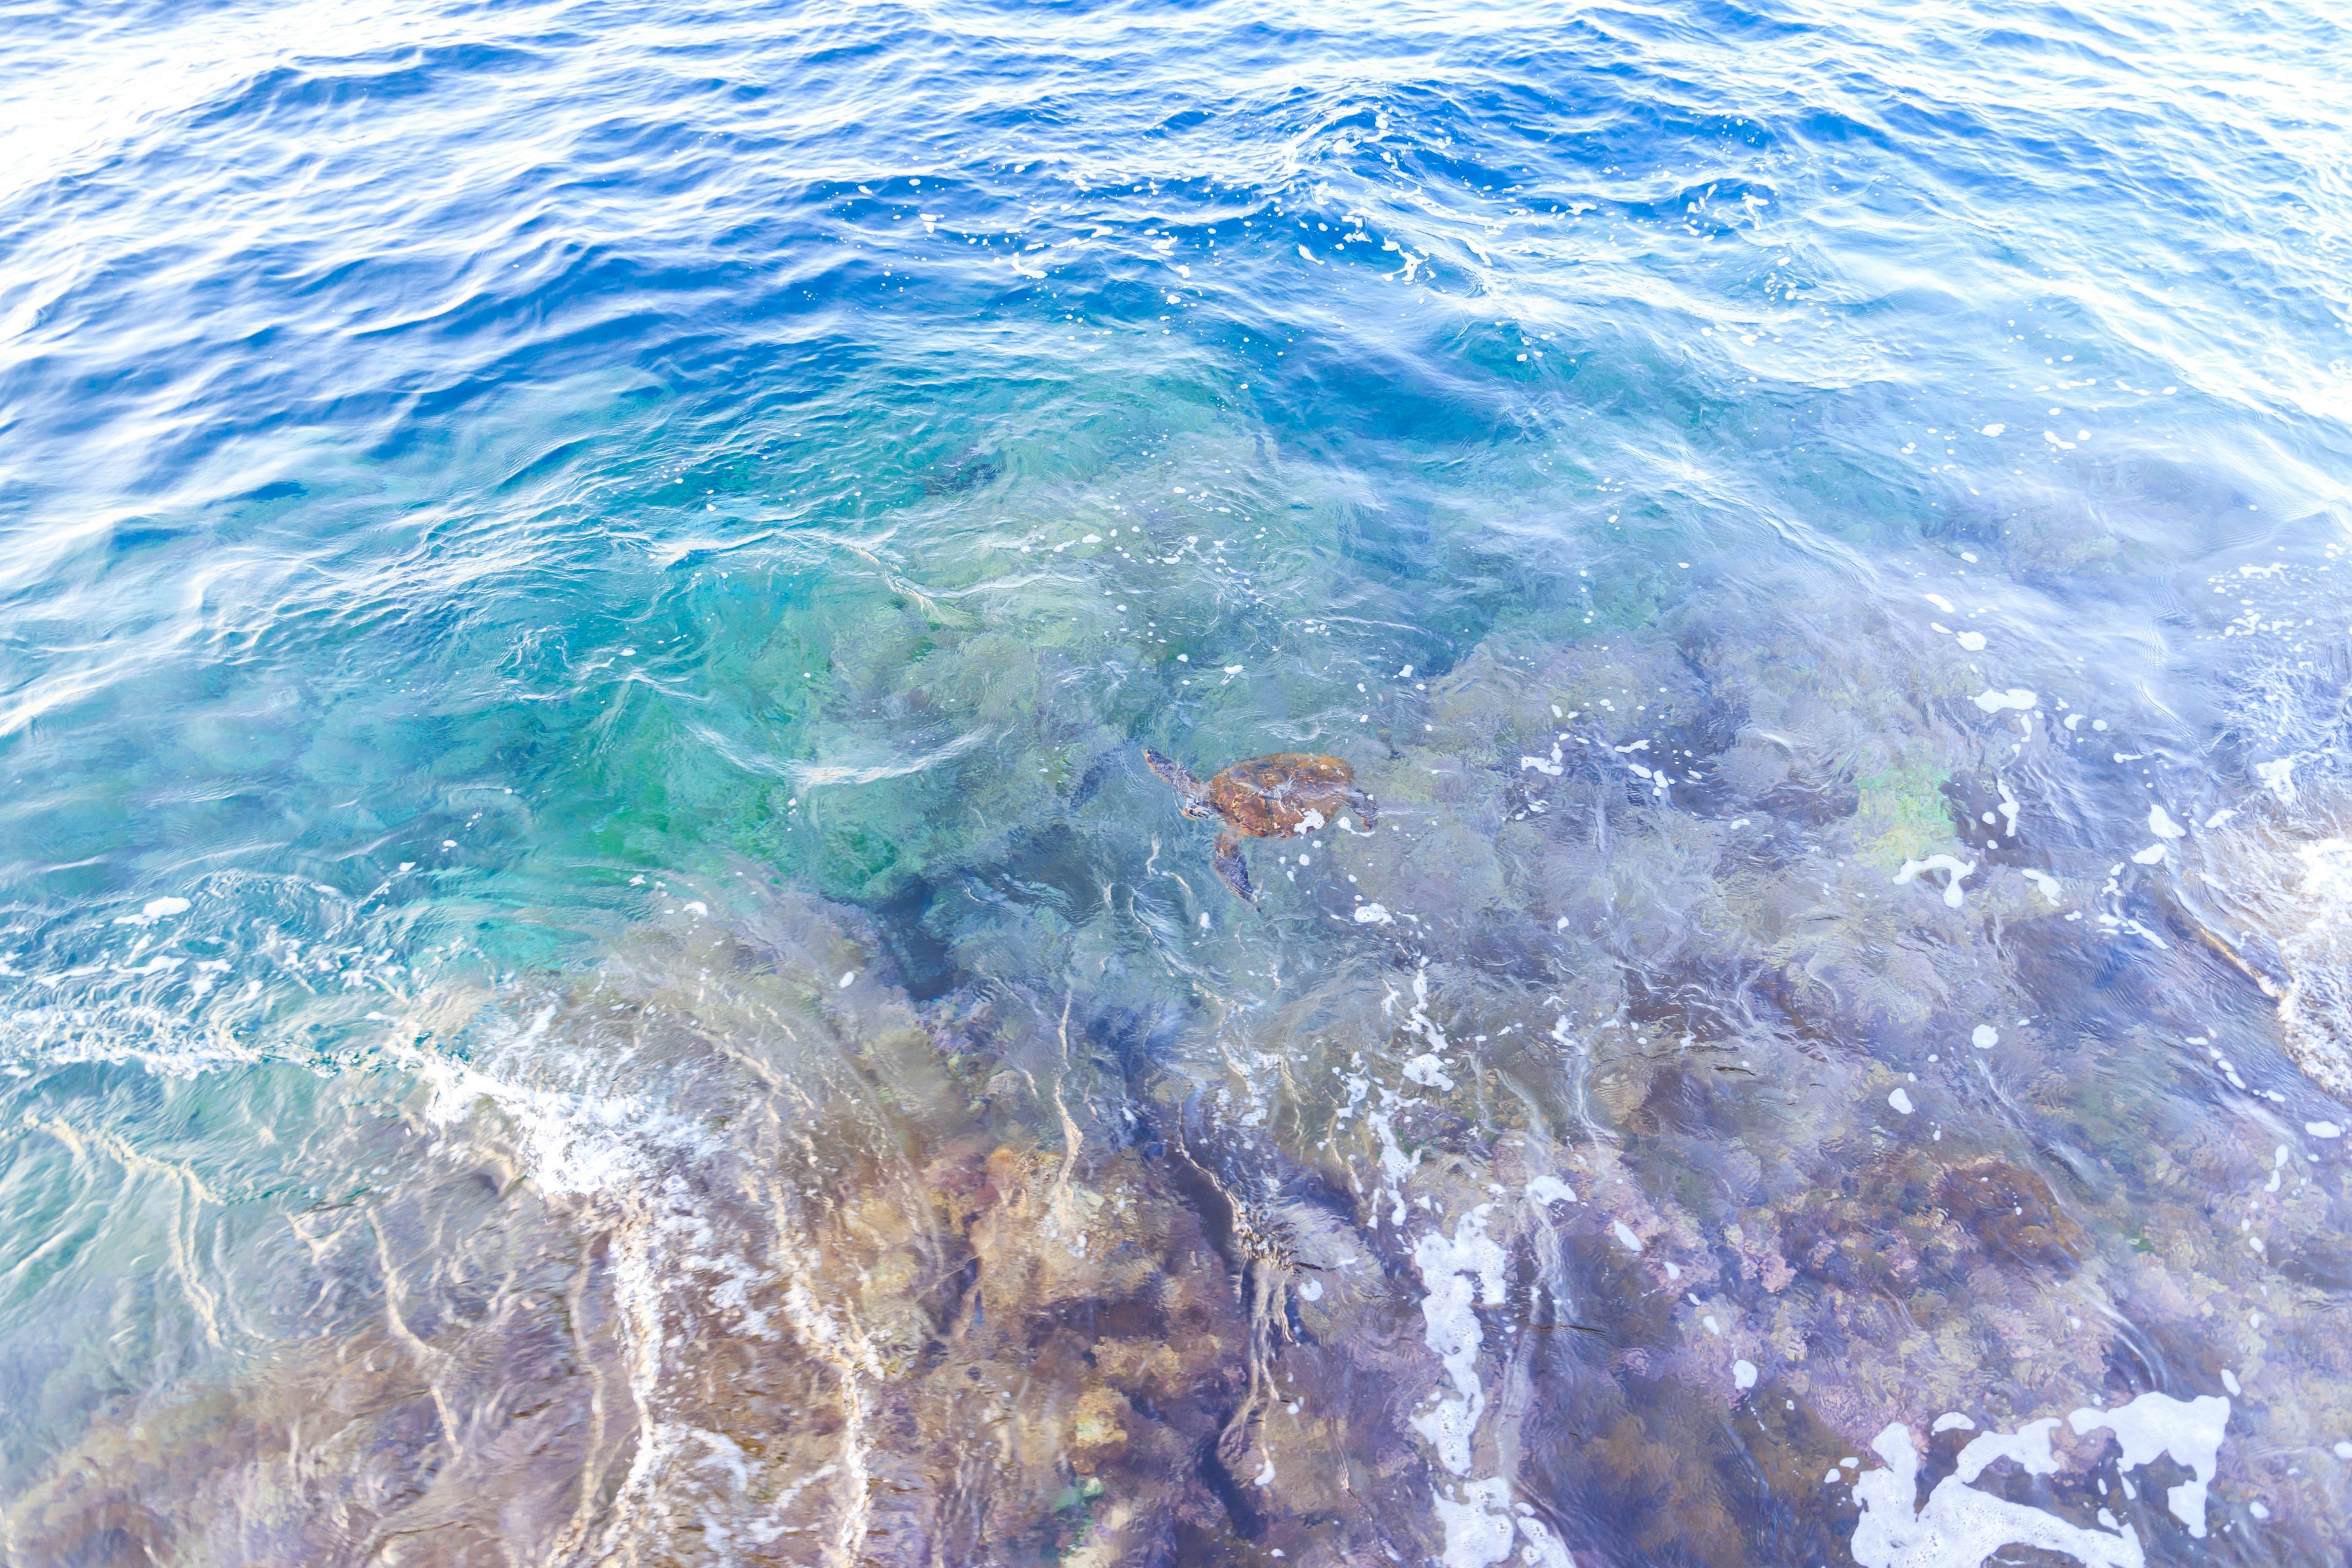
(1549, 1190)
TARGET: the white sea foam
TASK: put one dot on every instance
(1954, 869)
(2189, 1431)
(1480, 1526)
(2029, 1445)
(1960, 1526)
(1478, 1531)
(2278, 777)
(1458, 1274)
(1428, 1070)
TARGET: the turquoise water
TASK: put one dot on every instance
(592, 972)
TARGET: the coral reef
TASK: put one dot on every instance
(1726, 1107)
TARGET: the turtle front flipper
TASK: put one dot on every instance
(1367, 811)
(1227, 859)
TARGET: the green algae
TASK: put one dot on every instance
(1904, 813)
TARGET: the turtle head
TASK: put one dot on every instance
(1193, 800)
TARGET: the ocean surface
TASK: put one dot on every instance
(591, 970)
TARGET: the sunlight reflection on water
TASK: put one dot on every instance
(593, 968)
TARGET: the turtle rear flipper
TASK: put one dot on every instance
(1227, 859)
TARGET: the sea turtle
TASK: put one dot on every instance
(1265, 798)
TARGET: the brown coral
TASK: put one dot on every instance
(2012, 1214)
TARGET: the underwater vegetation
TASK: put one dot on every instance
(1174, 788)
(1601, 1153)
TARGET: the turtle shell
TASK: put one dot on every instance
(1268, 796)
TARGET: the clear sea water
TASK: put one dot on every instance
(590, 972)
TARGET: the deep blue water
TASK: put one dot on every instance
(589, 969)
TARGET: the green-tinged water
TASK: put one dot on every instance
(591, 970)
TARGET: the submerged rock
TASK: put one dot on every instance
(2271, 894)
(1655, 1151)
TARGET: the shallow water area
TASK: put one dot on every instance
(593, 969)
